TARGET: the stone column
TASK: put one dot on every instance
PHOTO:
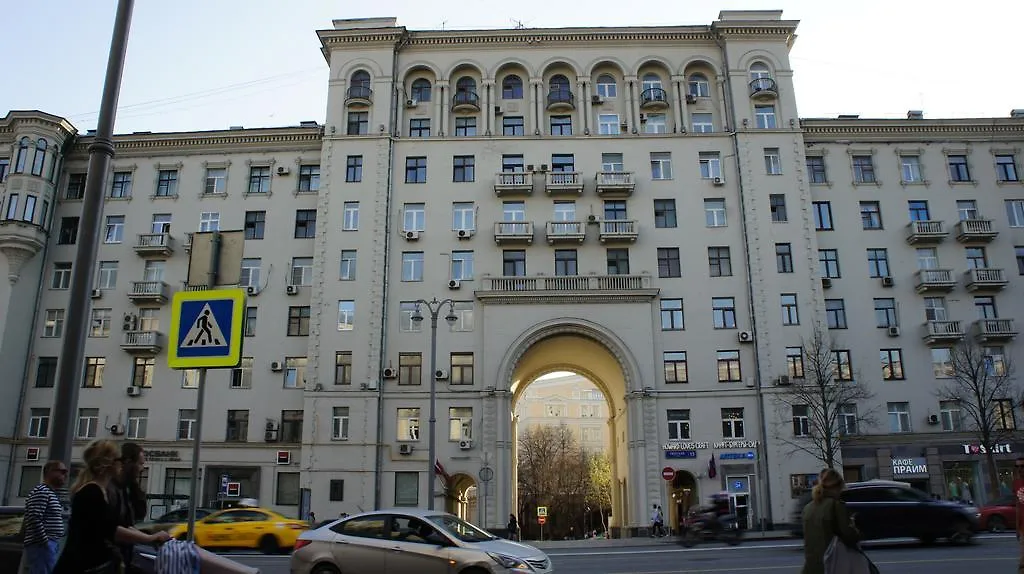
(679, 109)
(581, 104)
(446, 106)
(537, 94)
(438, 99)
(488, 103)
(399, 111)
(631, 103)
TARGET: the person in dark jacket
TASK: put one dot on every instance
(129, 498)
(824, 518)
(513, 527)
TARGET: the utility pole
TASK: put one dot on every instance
(72, 350)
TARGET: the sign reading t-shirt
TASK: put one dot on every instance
(916, 467)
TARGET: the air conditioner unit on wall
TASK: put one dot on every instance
(745, 336)
(405, 449)
(888, 281)
(933, 419)
(454, 284)
(465, 444)
(894, 331)
(134, 391)
(96, 293)
(390, 373)
(276, 366)
(464, 233)
(718, 181)
(412, 235)
(782, 381)
(283, 170)
(826, 282)
(441, 375)
(292, 290)
(252, 290)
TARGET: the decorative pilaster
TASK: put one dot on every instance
(679, 87)
(446, 106)
(631, 104)
(537, 103)
(399, 111)
(488, 97)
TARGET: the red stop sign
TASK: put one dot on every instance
(668, 473)
(541, 520)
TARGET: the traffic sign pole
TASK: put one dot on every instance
(197, 430)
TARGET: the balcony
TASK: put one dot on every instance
(358, 96)
(617, 183)
(934, 280)
(619, 230)
(566, 231)
(926, 232)
(149, 292)
(653, 99)
(938, 332)
(19, 242)
(995, 329)
(975, 231)
(513, 183)
(156, 244)
(506, 232)
(465, 101)
(144, 342)
(763, 89)
(985, 279)
(563, 182)
(568, 289)
(187, 246)
(561, 100)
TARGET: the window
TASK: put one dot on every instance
(795, 362)
(237, 426)
(249, 327)
(675, 367)
(729, 367)
(463, 168)
(958, 170)
(339, 423)
(415, 170)
(801, 420)
(976, 257)
(513, 263)
(407, 489)
(828, 259)
(772, 161)
(679, 424)
(53, 323)
(606, 86)
(107, 276)
(347, 271)
(358, 123)
(720, 261)
(1018, 252)
(259, 179)
(88, 423)
(462, 369)
(76, 186)
(462, 265)
(343, 367)
(899, 417)
(1006, 168)
(295, 372)
(305, 223)
(702, 123)
(967, 209)
(178, 481)
(291, 426)
(241, 376)
(209, 221)
(878, 262)
(777, 202)
(114, 230)
(216, 181)
(555, 410)
(618, 261)
(892, 364)
(250, 275)
(68, 230)
(710, 164)
(871, 215)
(863, 169)
(565, 262)
(822, 215)
(664, 213)
(143, 372)
(302, 271)
(255, 224)
(950, 416)
(784, 257)
(465, 127)
(410, 369)
(816, 169)
(512, 126)
(30, 209)
(732, 423)
(309, 178)
(1015, 212)
(668, 262)
(918, 210)
(698, 86)
(414, 217)
(412, 266)
(790, 312)
(724, 312)
(910, 169)
(835, 313)
(460, 423)
(463, 216)
(287, 493)
(608, 124)
(764, 117)
(121, 186)
(354, 169)
(672, 315)
(995, 362)
(408, 424)
(38, 423)
(986, 307)
(30, 475)
(420, 90)
(46, 372)
(61, 278)
(935, 308)
(714, 212)
(298, 321)
(848, 419)
(842, 367)
(419, 128)
(885, 313)
(561, 125)
(350, 216)
(22, 157)
(661, 165)
(407, 309)
(346, 315)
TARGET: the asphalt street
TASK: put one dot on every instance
(987, 554)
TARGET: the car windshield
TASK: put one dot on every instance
(460, 529)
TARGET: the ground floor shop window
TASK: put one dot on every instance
(961, 480)
(800, 484)
(1004, 470)
(853, 473)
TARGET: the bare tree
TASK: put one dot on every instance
(987, 393)
(819, 402)
(554, 471)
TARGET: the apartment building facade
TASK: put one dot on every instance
(640, 206)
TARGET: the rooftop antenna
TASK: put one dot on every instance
(443, 22)
(519, 24)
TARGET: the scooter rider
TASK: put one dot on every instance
(719, 508)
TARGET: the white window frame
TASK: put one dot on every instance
(61, 278)
(113, 229)
(106, 275)
(1015, 212)
(680, 427)
(772, 161)
(899, 417)
(215, 181)
(661, 165)
(99, 322)
(406, 311)
(608, 125)
(186, 424)
(346, 314)
(350, 216)
(414, 217)
(408, 424)
(464, 310)
(53, 323)
(702, 123)
(710, 164)
(412, 266)
(305, 271)
(459, 419)
(462, 265)
(656, 124)
(348, 261)
(340, 423)
(463, 216)
(38, 424)
(910, 168)
(250, 275)
(731, 421)
(137, 425)
(88, 423)
(209, 221)
(161, 223)
(607, 90)
(951, 416)
(715, 213)
(765, 117)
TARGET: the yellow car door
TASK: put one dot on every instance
(218, 530)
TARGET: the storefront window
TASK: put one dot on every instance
(961, 480)
(1004, 468)
(853, 474)
(800, 484)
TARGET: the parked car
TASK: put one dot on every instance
(170, 520)
(411, 540)
(999, 515)
(244, 527)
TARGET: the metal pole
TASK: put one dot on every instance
(432, 449)
(193, 501)
(77, 317)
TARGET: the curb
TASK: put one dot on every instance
(644, 542)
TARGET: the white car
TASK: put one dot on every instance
(411, 540)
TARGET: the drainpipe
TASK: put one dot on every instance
(392, 122)
(764, 475)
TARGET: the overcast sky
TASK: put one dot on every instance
(210, 64)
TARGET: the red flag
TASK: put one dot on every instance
(712, 471)
(439, 469)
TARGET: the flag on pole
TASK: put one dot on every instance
(712, 471)
(439, 469)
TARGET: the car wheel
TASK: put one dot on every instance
(324, 569)
(962, 533)
(927, 540)
(268, 544)
(997, 523)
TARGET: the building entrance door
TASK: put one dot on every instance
(739, 498)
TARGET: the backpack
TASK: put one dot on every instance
(177, 557)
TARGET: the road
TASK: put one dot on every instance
(988, 554)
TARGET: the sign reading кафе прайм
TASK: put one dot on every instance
(915, 467)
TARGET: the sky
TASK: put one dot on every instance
(211, 64)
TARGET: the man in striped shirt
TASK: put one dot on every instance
(44, 520)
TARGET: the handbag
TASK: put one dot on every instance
(843, 559)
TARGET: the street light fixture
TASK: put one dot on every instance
(434, 307)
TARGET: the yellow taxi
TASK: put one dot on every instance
(258, 528)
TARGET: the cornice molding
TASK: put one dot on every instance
(906, 130)
(297, 139)
(563, 298)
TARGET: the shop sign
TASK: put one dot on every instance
(737, 444)
(680, 454)
(749, 455)
(704, 445)
(916, 467)
(687, 445)
(163, 455)
(1004, 448)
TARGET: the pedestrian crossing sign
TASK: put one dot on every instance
(206, 329)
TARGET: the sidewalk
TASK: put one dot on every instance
(601, 543)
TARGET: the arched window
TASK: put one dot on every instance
(512, 88)
(650, 81)
(19, 162)
(465, 85)
(699, 87)
(559, 84)
(606, 86)
(40, 157)
(361, 78)
(759, 70)
(421, 90)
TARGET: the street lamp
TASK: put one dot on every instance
(434, 306)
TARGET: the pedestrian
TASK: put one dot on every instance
(312, 517)
(94, 533)
(513, 528)
(126, 490)
(44, 519)
(654, 520)
(1018, 494)
(661, 522)
(824, 518)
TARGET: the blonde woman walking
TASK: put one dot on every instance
(825, 518)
